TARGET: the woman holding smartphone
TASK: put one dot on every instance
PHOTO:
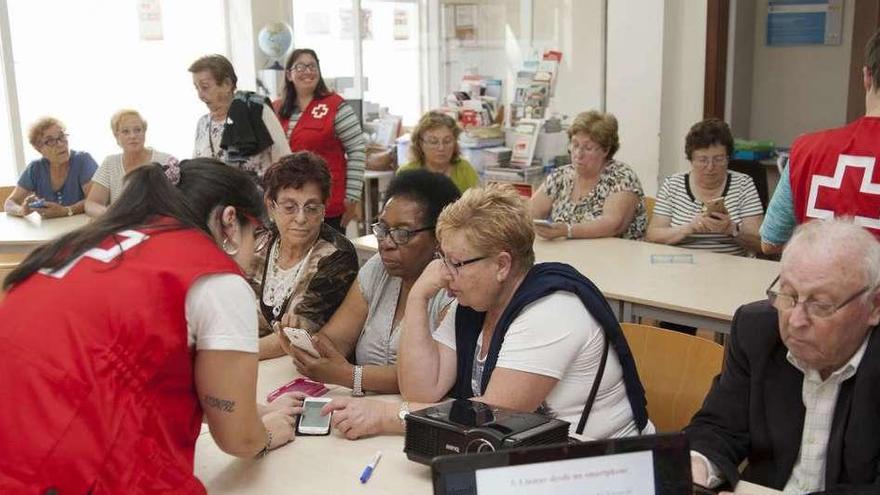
(709, 207)
(146, 325)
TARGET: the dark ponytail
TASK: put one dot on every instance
(204, 185)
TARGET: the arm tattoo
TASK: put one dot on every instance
(221, 404)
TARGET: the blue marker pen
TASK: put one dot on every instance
(368, 471)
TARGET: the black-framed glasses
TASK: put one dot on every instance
(55, 141)
(456, 266)
(398, 236)
(815, 309)
(304, 68)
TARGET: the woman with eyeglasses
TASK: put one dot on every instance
(434, 146)
(121, 343)
(368, 324)
(595, 196)
(240, 128)
(303, 267)
(709, 207)
(130, 131)
(524, 336)
(316, 119)
(55, 185)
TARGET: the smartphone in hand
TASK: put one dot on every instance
(542, 221)
(310, 421)
(301, 339)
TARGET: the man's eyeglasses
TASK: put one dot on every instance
(311, 211)
(55, 141)
(398, 236)
(455, 267)
(300, 68)
(815, 309)
(705, 161)
(436, 143)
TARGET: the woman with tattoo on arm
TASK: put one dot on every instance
(144, 323)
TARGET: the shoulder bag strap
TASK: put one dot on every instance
(595, 390)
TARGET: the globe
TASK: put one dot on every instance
(275, 39)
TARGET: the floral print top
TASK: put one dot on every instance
(615, 177)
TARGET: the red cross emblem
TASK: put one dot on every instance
(850, 192)
(320, 110)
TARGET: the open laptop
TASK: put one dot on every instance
(658, 464)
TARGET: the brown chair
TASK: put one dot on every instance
(8, 262)
(676, 370)
(649, 206)
(5, 191)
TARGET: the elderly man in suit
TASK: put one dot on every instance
(799, 394)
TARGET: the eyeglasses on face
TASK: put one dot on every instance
(300, 68)
(575, 148)
(815, 309)
(455, 267)
(398, 235)
(55, 141)
(705, 161)
(311, 210)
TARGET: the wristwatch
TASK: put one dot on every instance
(402, 412)
(357, 387)
(69, 211)
(568, 227)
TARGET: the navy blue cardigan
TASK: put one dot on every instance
(542, 280)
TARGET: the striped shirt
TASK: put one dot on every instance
(348, 130)
(676, 201)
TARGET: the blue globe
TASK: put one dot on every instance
(275, 39)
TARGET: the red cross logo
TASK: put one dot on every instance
(849, 192)
(320, 110)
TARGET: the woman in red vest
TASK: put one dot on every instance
(318, 120)
(120, 337)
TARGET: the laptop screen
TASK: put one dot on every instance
(658, 464)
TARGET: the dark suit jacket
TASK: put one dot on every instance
(755, 411)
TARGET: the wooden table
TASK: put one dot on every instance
(322, 465)
(23, 234)
(703, 294)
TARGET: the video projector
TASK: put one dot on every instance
(466, 426)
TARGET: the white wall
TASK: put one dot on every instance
(801, 88)
(684, 60)
(577, 29)
(634, 82)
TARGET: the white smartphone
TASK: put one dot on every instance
(310, 421)
(301, 339)
(542, 221)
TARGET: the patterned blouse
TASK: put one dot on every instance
(321, 281)
(615, 177)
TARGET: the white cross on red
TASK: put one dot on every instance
(849, 192)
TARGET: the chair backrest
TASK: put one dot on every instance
(5, 191)
(676, 370)
(649, 206)
(8, 262)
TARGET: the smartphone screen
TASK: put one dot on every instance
(310, 421)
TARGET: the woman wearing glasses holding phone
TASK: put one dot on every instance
(709, 207)
(434, 147)
(595, 196)
(318, 120)
(303, 267)
(368, 323)
(130, 131)
(56, 185)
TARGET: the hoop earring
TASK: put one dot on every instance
(227, 250)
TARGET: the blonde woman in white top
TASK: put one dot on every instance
(130, 130)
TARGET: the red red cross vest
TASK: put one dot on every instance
(315, 132)
(97, 375)
(834, 173)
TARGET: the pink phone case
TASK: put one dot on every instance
(304, 385)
